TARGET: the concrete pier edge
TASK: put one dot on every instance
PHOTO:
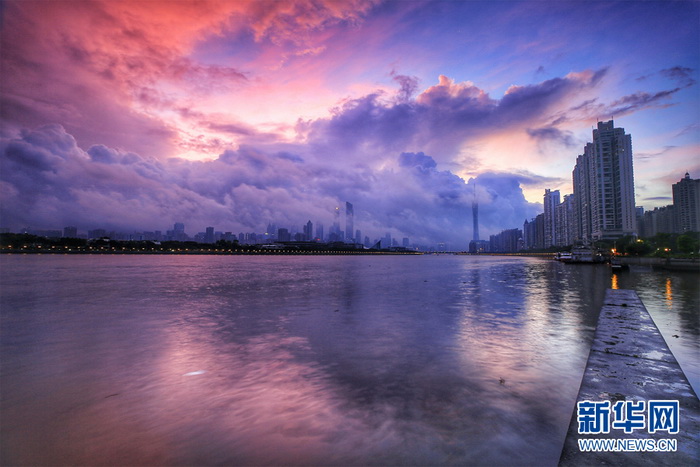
(630, 360)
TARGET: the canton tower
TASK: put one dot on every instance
(475, 216)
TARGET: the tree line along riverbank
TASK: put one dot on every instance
(663, 246)
(26, 244)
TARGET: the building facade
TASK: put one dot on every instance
(604, 186)
(508, 241)
(582, 196)
(565, 222)
(612, 183)
(659, 220)
(551, 201)
(686, 203)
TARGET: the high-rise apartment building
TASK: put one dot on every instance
(686, 204)
(659, 220)
(551, 201)
(508, 241)
(581, 222)
(564, 224)
(604, 185)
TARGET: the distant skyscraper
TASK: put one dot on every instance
(271, 230)
(283, 235)
(209, 235)
(349, 221)
(604, 185)
(178, 232)
(475, 217)
(686, 203)
(97, 233)
(319, 231)
(551, 201)
(386, 241)
(335, 228)
(309, 231)
(70, 232)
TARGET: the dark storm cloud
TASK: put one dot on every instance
(554, 134)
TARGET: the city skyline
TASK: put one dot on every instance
(237, 114)
(562, 225)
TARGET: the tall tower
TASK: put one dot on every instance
(475, 216)
(349, 221)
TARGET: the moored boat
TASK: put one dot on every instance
(617, 265)
(563, 256)
(585, 254)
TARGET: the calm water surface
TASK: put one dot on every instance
(281, 360)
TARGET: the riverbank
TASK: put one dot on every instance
(672, 264)
(207, 252)
(630, 364)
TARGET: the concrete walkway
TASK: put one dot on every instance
(630, 361)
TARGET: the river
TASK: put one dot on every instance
(299, 360)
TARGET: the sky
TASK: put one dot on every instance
(136, 115)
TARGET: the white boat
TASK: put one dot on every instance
(563, 256)
(585, 254)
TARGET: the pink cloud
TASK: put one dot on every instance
(112, 71)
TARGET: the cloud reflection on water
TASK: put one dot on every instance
(280, 360)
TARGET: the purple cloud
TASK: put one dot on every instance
(640, 100)
(551, 133)
(49, 182)
(683, 75)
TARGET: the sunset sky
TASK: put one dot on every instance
(135, 115)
